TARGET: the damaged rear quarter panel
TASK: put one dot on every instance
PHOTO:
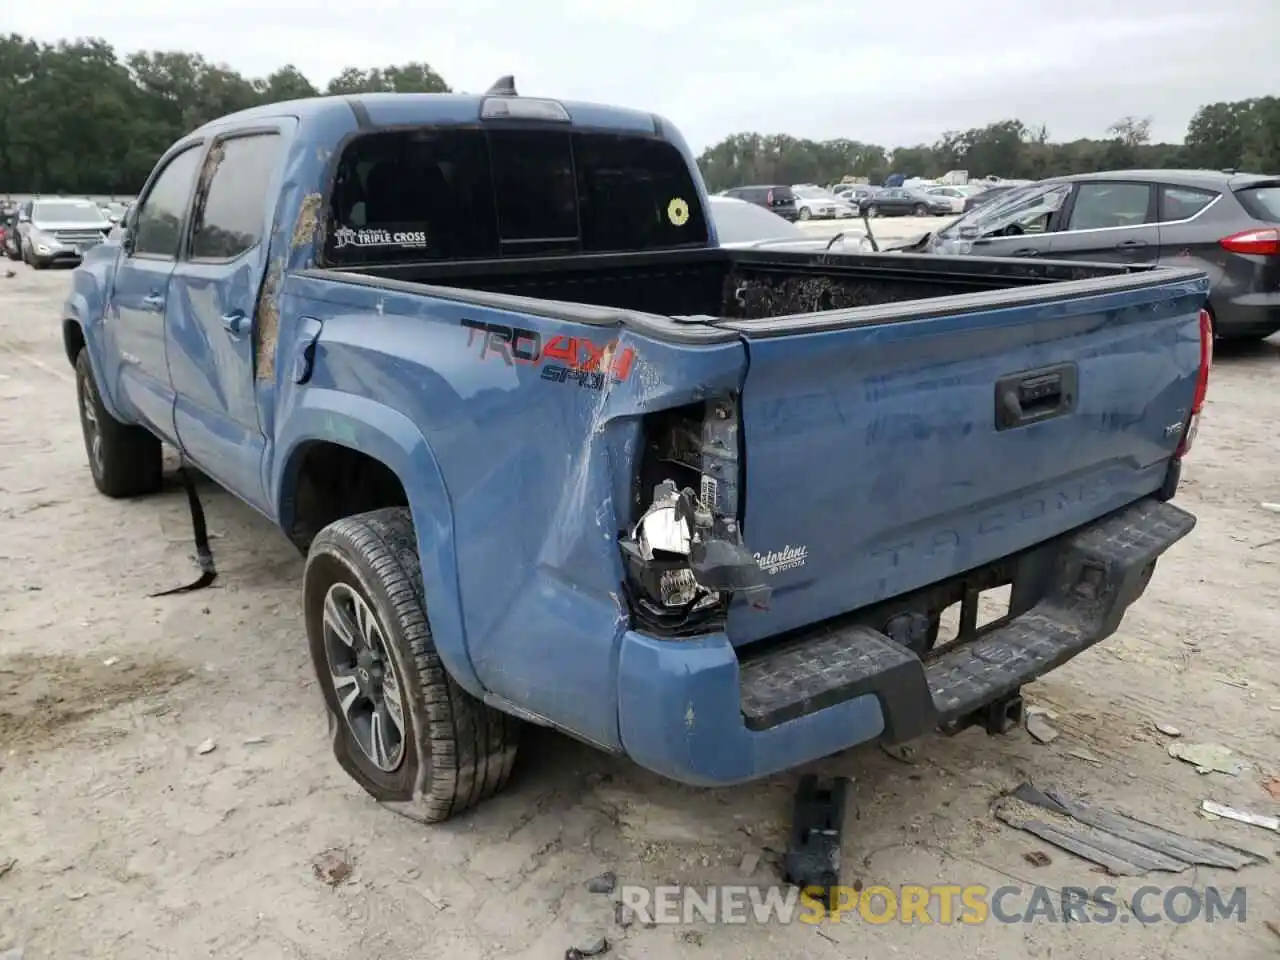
(537, 467)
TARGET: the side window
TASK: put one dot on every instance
(160, 214)
(1183, 203)
(1026, 211)
(1100, 205)
(230, 215)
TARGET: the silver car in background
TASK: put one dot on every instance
(814, 203)
(59, 230)
(740, 224)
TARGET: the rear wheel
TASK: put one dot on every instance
(401, 727)
(125, 460)
(921, 210)
(873, 211)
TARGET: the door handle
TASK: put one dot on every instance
(234, 323)
(154, 301)
(1130, 244)
(1027, 252)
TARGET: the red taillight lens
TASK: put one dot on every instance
(769, 198)
(1259, 242)
(1202, 384)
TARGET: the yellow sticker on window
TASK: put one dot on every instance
(678, 212)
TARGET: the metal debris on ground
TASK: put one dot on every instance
(902, 752)
(1085, 756)
(593, 949)
(1241, 816)
(1168, 729)
(1123, 845)
(1207, 757)
(1040, 729)
(1272, 507)
(604, 883)
(1037, 858)
(331, 867)
(813, 855)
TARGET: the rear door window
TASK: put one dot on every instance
(1110, 204)
(1183, 203)
(231, 214)
(425, 195)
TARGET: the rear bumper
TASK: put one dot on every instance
(692, 711)
(1247, 315)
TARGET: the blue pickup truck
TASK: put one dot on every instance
(554, 456)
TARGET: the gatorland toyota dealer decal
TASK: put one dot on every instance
(778, 561)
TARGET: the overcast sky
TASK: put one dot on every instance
(889, 72)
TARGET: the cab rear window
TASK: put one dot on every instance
(463, 194)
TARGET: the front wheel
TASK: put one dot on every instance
(125, 460)
(873, 211)
(921, 210)
(401, 727)
(804, 213)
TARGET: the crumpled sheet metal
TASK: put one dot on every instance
(1123, 845)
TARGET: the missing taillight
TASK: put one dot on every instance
(684, 553)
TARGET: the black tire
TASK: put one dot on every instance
(873, 211)
(456, 751)
(38, 264)
(128, 461)
(804, 213)
(920, 210)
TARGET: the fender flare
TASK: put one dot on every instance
(371, 428)
(73, 313)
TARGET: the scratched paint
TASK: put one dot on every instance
(266, 327)
(304, 230)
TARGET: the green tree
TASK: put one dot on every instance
(77, 118)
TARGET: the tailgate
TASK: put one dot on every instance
(888, 448)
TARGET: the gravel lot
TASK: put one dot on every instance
(129, 842)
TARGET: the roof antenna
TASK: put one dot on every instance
(503, 87)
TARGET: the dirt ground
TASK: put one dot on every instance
(119, 838)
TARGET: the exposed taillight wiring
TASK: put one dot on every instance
(1202, 385)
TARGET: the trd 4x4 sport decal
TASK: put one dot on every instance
(562, 359)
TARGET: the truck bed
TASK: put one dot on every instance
(743, 284)
(874, 389)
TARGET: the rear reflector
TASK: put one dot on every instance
(1261, 242)
(1202, 385)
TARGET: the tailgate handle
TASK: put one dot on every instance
(1035, 395)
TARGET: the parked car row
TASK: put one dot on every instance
(1225, 223)
(54, 230)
